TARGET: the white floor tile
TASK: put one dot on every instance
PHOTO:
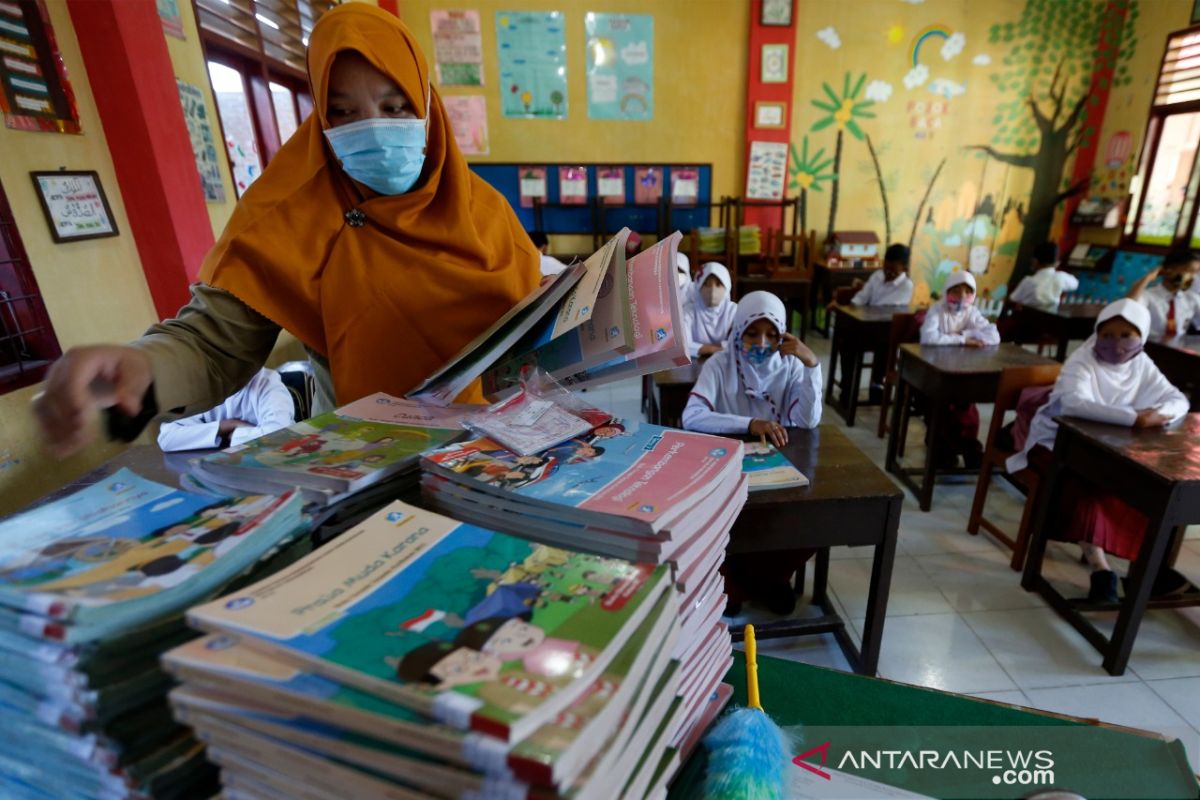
(911, 592)
(978, 581)
(1182, 695)
(1038, 649)
(942, 652)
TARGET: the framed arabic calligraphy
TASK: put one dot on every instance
(74, 205)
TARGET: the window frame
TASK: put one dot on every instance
(1156, 122)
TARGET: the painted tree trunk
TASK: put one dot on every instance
(1043, 199)
(804, 212)
(887, 220)
(837, 179)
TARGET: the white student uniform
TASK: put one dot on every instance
(1044, 288)
(551, 265)
(1158, 300)
(710, 324)
(943, 326)
(879, 291)
(731, 392)
(264, 402)
(1113, 393)
(687, 301)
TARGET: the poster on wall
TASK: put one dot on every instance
(172, 21)
(647, 185)
(457, 47)
(533, 185)
(74, 205)
(468, 120)
(203, 146)
(685, 185)
(533, 64)
(33, 98)
(620, 66)
(768, 170)
(610, 184)
(572, 185)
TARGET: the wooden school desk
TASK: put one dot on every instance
(671, 390)
(796, 294)
(1179, 361)
(944, 374)
(1157, 471)
(859, 330)
(1099, 761)
(826, 279)
(1064, 323)
(848, 501)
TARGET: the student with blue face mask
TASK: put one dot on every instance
(367, 237)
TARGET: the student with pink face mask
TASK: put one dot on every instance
(1109, 379)
(712, 310)
(954, 320)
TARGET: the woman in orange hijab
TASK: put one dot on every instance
(383, 261)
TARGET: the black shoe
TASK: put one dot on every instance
(1104, 587)
(973, 455)
(779, 598)
(875, 394)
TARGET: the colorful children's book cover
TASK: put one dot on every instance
(126, 542)
(334, 451)
(478, 629)
(626, 470)
(767, 468)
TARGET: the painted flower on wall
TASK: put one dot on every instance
(878, 91)
(953, 45)
(916, 76)
(830, 37)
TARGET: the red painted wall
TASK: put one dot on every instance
(757, 91)
(133, 82)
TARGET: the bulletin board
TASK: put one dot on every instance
(561, 218)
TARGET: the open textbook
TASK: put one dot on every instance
(599, 321)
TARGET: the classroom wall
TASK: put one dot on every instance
(928, 83)
(700, 93)
(94, 290)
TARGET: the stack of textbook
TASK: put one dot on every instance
(626, 490)
(92, 590)
(418, 656)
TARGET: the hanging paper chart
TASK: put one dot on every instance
(610, 184)
(457, 47)
(620, 66)
(768, 169)
(572, 185)
(533, 185)
(685, 185)
(648, 183)
(533, 64)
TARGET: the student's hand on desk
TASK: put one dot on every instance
(972, 343)
(86, 379)
(791, 346)
(1150, 418)
(776, 434)
(709, 349)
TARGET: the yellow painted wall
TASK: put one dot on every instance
(187, 58)
(94, 290)
(699, 98)
(877, 41)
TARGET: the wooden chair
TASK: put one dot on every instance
(803, 248)
(1014, 327)
(1013, 381)
(905, 328)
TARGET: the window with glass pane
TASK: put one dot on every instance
(234, 108)
(1166, 190)
(285, 110)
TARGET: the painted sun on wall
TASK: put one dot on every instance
(954, 126)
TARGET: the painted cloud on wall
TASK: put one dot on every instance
(953, 46)
(879, 91)
(916, 76)
(830, 37)
(947, 88)
(981, 60)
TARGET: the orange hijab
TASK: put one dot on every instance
(392, 300)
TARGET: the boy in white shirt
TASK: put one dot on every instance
(262, 406)
(550, 264)
(889, 286)
(1046, 286)
(1173, 306)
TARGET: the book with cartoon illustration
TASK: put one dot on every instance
(341, 451)
(476, 629)
(625, 475)
(127, 550)
(767, 468)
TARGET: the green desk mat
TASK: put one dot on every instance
(1101, 763)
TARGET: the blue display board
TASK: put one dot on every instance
(1128, 268)
(578, 219)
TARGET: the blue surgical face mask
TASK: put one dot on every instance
(758, 354)
(385, 154)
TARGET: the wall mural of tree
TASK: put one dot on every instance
(1053, 60)
(808, 172)
(843, 111)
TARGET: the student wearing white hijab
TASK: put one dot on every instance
(1173, 306)
(687, 301)
(762, 382)
(1109, 379)
(955, 320)
(1046, 286)
(712, 313)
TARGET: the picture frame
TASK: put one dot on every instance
(75, 205)
(774, 68)
(775, 13)
(770, 114)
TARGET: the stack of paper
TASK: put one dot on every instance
(92, 588)
(628, 490)
(749, 240)
(417, 656)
